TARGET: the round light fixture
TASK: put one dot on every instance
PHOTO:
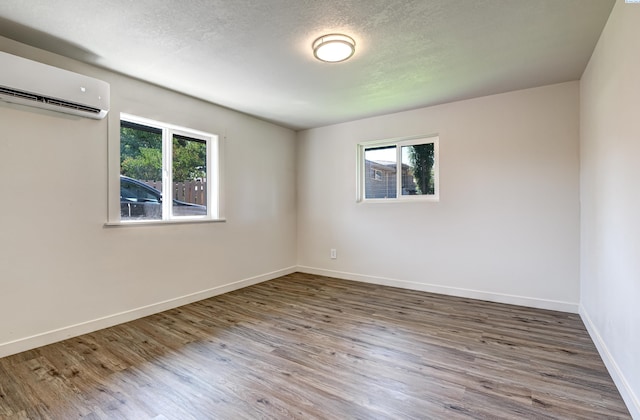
(333, 48)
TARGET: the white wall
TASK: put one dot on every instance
(610, 195)
(63, 273)
(507, 224)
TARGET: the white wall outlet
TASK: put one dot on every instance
(334, 254)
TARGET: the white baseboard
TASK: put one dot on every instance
(554, 305)
(629, 397)
(49, 337)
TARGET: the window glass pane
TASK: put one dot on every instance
(189, 176)
(380, 164)
(140, 172)
(417, 169)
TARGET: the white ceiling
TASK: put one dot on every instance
(255, 56)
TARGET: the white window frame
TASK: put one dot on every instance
(398, 143)
(213, 170)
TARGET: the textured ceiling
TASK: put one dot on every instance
(255, 55)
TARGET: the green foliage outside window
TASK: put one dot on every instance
(189, 159)
(141, 156)
(422, 159)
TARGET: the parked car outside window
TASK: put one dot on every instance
(139, 201)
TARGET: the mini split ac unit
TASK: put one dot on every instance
(39, 85)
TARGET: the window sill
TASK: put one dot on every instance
(162, 222)
(412, 199)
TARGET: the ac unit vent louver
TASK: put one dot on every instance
(51, 101)
(18, 94)
(39, 85)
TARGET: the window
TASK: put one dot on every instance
(166, 172)
(398, 169)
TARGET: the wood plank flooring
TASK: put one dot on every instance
(308, 347)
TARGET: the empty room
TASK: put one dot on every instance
(366, 209)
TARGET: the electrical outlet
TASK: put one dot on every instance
(334, 254)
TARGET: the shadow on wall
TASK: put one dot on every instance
(36, 38)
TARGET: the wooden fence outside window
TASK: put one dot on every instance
(189, 191)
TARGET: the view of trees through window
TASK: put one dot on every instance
(397, 169)
(189, 159)
(140, 152)
(142, 165)
(420, 162)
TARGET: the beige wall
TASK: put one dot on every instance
(63, 273)
(610, 195)
(506, 227)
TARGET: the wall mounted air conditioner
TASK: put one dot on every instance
(39, 85)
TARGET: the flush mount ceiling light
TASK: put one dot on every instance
(334, 48)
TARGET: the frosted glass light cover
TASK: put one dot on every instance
(333, 48)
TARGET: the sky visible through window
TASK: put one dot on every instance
(387, 155)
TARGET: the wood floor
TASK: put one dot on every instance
(307, 347)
